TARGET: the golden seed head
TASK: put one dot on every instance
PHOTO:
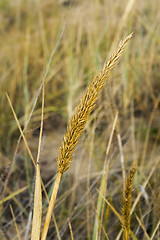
(84, 108)
(127, 195)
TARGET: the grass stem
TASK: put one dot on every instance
(51, 205)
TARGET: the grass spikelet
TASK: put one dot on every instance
(83, 110)
(126, 207)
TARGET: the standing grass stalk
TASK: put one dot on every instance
(77, 124)
(37, 211)
(51, 205)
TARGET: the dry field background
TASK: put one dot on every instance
(80, 35)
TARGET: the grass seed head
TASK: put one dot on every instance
(84, 108)
(127, 195)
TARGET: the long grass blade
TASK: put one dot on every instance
(143, 227)
(70, 228)
(37, 213)
(12, 195)
(17, 230)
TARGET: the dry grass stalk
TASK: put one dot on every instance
(50, 207)
(37, 211)
(126, 207)
(14, 219)
(70, 228)
(77, 124)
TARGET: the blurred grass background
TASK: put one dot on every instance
(86, 32)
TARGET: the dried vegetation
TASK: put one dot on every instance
(65, 43)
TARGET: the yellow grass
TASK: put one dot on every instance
(72, 39)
